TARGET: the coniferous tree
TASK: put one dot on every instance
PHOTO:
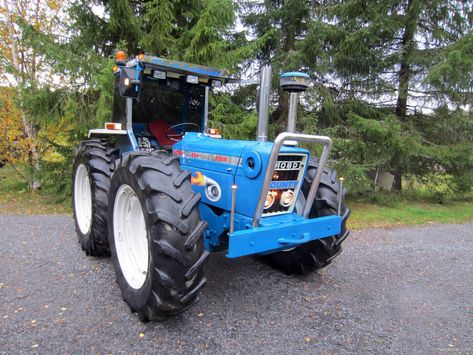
(283, 25)
(397, 54)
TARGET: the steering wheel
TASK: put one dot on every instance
(176, 137)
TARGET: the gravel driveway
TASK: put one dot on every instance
(404, 290)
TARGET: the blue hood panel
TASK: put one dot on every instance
(223, 161)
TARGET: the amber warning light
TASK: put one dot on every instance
(214, 133)
(113, 126)
(121, 56)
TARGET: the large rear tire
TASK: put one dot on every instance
(93, 167)
(155, 235)
(319, 253)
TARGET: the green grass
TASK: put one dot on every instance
(16, 198)
(408, 213)
(377, 211)
(28, 203)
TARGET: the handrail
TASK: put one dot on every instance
(279, 141)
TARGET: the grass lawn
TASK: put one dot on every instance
(16, 199)
(408, 213)
(25, 202)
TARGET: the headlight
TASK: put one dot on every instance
(270, 199)
(287, 198)
(213, 192)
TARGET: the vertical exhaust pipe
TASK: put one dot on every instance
(263, 107)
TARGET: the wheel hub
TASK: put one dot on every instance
(129, 232)
(83, 199)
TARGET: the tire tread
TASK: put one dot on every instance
(175, 230)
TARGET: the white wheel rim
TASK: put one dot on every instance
(130, 236)
(83, 199)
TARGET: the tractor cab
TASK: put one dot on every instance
(160, 100)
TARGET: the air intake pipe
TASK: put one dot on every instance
(293, 83)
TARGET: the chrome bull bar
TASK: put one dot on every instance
(326, 141)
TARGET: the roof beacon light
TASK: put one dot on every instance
(121, 55)
(120, 58)
(192, 79)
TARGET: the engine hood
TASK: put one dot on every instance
(222, 155)
(223, 163)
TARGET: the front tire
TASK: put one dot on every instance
(155, 235)
(93, 167)
(319, 253)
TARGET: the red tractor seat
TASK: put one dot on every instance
(158, 129)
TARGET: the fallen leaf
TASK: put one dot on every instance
(307, 339)
(142, 335)
(200, 314)
(34, 345)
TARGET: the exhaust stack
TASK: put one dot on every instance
(263, 104)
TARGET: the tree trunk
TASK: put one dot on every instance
(35, 155)
(405, 71)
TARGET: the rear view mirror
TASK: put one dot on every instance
(130, 82)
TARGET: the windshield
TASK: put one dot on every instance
(172, 100)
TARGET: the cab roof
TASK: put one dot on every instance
(184, 68)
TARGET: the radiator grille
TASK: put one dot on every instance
(287, 176)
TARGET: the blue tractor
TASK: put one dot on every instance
(159, 190)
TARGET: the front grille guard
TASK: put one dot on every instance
(326, 141)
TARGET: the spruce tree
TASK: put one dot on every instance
(280, 26)
(396, 54)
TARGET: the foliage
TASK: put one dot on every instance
(14, 144)
(397, 55)
(392, 79)
(452, 75)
